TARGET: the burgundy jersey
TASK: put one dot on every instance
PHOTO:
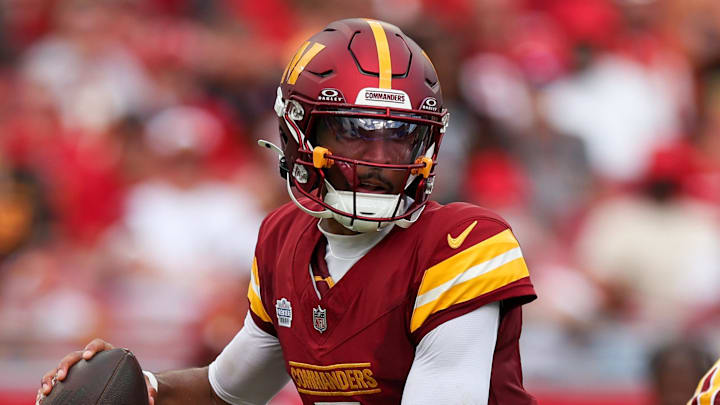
(356, 344)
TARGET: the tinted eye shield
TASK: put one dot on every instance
(437, 121)
(371, 139)
(372, 129)
(432, 119)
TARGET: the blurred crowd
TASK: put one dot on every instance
(131, 190)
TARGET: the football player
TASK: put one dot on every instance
(363, 291)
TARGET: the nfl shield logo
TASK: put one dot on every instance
(320, 319)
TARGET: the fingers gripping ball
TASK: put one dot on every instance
(111, 377)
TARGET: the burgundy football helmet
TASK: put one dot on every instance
(362, 81)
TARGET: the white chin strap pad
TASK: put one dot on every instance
(366, 205)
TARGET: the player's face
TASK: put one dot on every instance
(371, 140)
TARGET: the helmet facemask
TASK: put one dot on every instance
(368, 167)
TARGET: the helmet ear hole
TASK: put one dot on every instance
(283, 137)
(283, 168)
(412, 190)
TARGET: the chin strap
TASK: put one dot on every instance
(326, 213)
(405, 223)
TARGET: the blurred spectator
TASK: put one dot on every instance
(656, 253)
(495, 87)
(694, 26)
(675, 368)
(623, 101)
(704, 181)
(47, 294)
(462, 133)
(189, 236)
(559, 175)
(619, 109)
(92, 77)
(180, 219)
(23, 211)
(23, 21)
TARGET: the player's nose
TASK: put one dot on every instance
(377, 152)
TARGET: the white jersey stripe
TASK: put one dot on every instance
(255, 284)
(469, 274)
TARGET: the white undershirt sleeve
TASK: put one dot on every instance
(251, 369)
(453, 361)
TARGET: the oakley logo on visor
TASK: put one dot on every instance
(333, 95)
(383, 98)
(429, 104)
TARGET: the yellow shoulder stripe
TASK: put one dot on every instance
(383, 51)
(460, 262)
(256, 304)
(707, 397)
(480, 269)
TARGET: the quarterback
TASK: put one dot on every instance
(364, 291)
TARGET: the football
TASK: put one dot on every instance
(111, 377)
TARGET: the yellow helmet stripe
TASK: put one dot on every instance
(306, 58)
(294, 61)
(383, 50)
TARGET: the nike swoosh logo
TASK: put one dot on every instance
(456, 242)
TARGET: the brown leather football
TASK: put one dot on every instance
(111, 377)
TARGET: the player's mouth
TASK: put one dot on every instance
(374, 185)
(371, 181)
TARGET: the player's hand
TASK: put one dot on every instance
(61, 371)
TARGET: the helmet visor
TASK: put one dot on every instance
(373, 139)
